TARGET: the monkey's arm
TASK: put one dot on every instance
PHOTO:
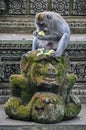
(51, 36)
(35, 43)
(62, 44)
(35, 33)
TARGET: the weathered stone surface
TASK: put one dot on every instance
(16, 110)
(48, 108)
(40, 72)
(72, 108)
(78, 123)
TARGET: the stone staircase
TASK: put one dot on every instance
(13, 46)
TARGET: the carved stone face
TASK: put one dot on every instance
(44, 71)
(47, 73)
(48, 108)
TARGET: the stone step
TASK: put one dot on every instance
(78, 123)
(15, 37)
(24, 24)
(4, 98)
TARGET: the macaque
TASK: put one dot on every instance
(52, 32)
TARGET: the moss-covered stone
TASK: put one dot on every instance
(20, 87)
(42, 91)
(65, 89)
(48, 108)
(43, 70)
(15, 109)
(72, 108)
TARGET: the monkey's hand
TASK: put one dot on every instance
(52, 36)
(39, 35)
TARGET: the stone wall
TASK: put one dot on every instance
(31, 7)
(17, 16)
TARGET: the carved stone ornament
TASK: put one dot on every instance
(17, 6)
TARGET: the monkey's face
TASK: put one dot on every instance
(42, 22)
(41, 26)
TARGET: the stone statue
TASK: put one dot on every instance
(42, 91)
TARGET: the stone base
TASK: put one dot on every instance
(44, 127)
(78, 123)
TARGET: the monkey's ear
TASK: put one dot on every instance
(49, 16)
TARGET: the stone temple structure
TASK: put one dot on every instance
(17, 17)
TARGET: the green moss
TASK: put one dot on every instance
(60, 74)
(12, 105)
(64, 61)
(71, 79)
(72, 108)
(22, 113)
(27, 93)
(19, 80)
(41, 72)
(20, 87)
(48, 108)
(72, 111)
(14, 108)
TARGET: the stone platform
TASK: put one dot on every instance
(78, 123)
(5, 36)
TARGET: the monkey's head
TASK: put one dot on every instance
(42, 21)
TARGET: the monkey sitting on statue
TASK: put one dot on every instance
(52, 32)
